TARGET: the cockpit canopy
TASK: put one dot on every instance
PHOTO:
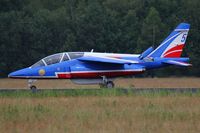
(57, 58)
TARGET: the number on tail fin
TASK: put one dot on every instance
(183, 37)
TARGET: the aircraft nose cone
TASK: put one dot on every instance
(19, 73)
(10, 75)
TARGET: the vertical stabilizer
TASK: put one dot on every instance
(172, 46)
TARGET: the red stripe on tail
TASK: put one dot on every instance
(174, 52)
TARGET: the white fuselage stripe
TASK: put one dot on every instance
(133, 70)
(112, 58)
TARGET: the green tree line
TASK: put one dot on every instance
(33, 29)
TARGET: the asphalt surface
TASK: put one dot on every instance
(135, 90)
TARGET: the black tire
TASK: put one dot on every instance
(33, 88)
(110, 84)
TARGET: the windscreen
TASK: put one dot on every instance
(38, 64)
(53, 59)
(56, 58)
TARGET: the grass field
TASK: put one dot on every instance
(120, 83)
(141, 113)
(104, 111)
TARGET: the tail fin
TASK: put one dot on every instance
(172, 46)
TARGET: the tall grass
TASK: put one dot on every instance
(96, 92)
(102, 110)
(139, 113)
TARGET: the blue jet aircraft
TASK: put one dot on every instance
(101, 68)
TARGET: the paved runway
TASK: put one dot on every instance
(135, 90)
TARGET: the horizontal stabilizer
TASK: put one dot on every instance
(146, 53)
(106, 60)
(177, 63)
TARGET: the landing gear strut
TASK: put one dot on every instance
(106, 83)
(31, 86)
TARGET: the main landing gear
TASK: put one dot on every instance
(106, 83)
(31, 86)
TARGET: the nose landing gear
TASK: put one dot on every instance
(31, 86)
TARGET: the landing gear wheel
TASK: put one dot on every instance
(33, 88)
(110, 84)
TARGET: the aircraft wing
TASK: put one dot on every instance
(106, 60)
(177, 63)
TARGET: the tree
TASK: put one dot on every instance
(151, 31)
(33, 29)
